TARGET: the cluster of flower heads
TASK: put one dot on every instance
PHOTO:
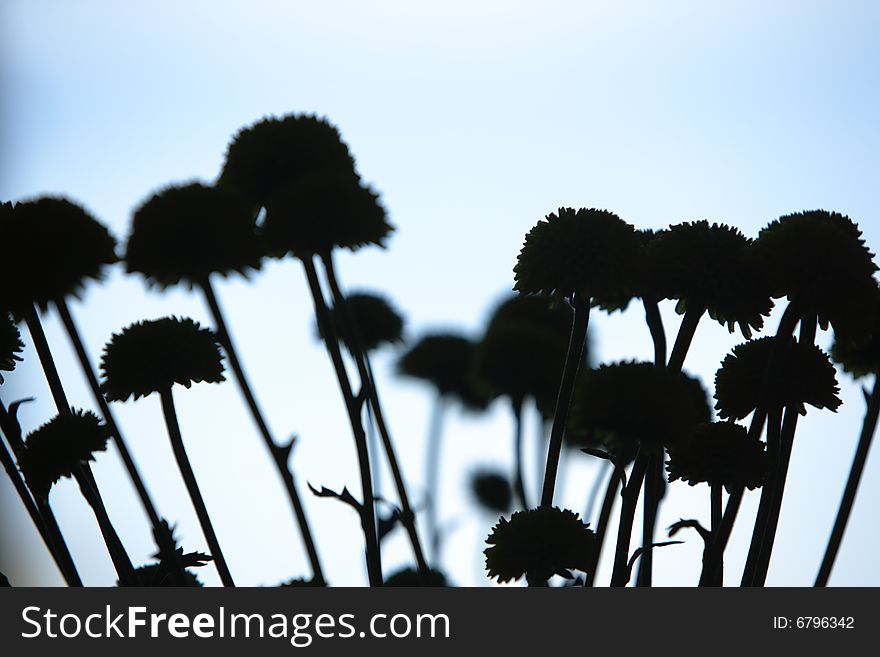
(775, 373)
(637, 402)
(446, 362)
(375, 321)
(152, 356)
(185, 233)
(58, 448)
(523, 350)
(10, 344)
(54, 247)
(819, 261)
(719, 453)
(539, 544)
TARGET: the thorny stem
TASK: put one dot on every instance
(352, 406)
(368, 383)
(192, 486)
(279, 455)
(852, 484)
(563, 401)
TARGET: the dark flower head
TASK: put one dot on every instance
(155, 575)
(301, 582)
(801, 374)
(860, 357)
(321, 212)
(492, 491)
(712, 266)
(539, 543)
(646, 279)
(719, 453)
(54, 247)
(376, 322)
(59, 447)
(274, 153)
(410, 577)
(591, 253)
(10, 344)
(630, 402)
(523, 351)
(447, 363)
(151, 356)
(819, 260)
(186, 233)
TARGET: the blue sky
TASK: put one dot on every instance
(474, 120)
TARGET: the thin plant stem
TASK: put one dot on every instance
(658, 334)
(713, 557)
(85, 363)
(352, 406)
(432, 475)
(869, 426)
(192, 487)
(279, 454)
(620, 574)
(368, 383)
(593, 495)
(519, 486)
(604, 517)
(83, 474)
(566, 388)
(685, 336)
(716, 502)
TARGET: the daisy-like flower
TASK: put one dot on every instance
(58, 448)
(185, 233)
(712, 266)
(376, 322)
(276, 152)
(860, 357)
(151, 356)
(802, 374)
(492, 491)
(631, 402)
(819, 260)
(585, 252)
(719, 453)
(323, 211)
(10, 344)
(54, 247)
(446, 362)
(538, 544)
(647, 280)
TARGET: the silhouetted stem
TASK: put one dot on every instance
(352, 406)
(852, 483)
(432, 475)
(109, 419)
(518, 480)
(594, 490)
(620, 575)
(192, 486)
(713, 558)
(658, 334)
(279, 455)
(563, 401)
(604, 518)
(83, 475)
(685, 336)
(368, 382)
(717, 514)
(654, 489)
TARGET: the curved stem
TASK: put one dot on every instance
(368, 382)
(352, 406)
(685, 336)
(192, 486)
(620, 575)
(852, 483)
(518, 480)
(658, 334)
(278, 454)
(604, 517)
(563, 401)
(109, 419)
(432, 475)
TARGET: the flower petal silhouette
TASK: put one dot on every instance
(151, 356)
(377, 323)
(538, 544)
(446, 362)
(10, 344)
(59, 447)
(188, 232)
(860, 357)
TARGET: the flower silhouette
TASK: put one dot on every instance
(151, 356)
(58, 448)
(802, 374)
(446, 362)
(188, 232)
(538, 544)
(410, 577)
(10, 344)
(54, 247)
(492, 491)
(860, 357)
(376, 322)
